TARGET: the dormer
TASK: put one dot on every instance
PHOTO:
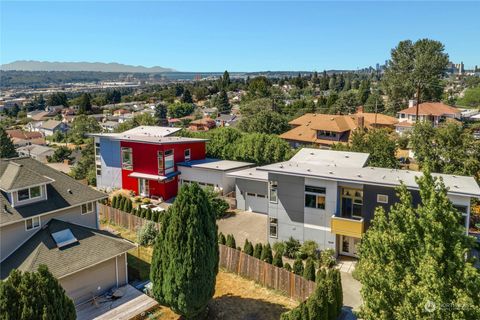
(23, 186)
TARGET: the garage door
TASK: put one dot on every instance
(256, 202)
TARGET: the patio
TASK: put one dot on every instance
(130, 305)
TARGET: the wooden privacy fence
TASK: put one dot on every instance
(266, 274)
(121, 218)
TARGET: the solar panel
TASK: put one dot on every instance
(64, 238)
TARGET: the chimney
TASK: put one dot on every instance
(360, 121)
(412, 103)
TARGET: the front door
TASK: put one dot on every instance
(349, 246)
(143, 188)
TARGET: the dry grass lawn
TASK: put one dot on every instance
(236, 298)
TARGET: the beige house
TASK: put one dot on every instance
(48, 218)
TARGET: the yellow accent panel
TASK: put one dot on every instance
(347, 227)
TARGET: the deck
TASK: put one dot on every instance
(132, 304)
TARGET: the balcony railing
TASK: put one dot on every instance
(347, 227)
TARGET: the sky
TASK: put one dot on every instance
(234, 36)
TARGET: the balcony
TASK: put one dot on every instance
(347, 227)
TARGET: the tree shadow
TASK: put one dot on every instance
(234, 307)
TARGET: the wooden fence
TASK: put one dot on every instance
(121, 218)
(266, 274)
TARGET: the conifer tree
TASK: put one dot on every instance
(338, 289)
(185, 256)
(309, 272)
(7, 149)
(34, 296)
(267, 253)
(221, 239)
(257, 251)
(114, 201)
(331, 295)
(121, 203)
(148, 214)
(248, 248)
(231, 241)
(277, 259)
(298, 266)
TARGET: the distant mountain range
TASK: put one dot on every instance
(32, 65)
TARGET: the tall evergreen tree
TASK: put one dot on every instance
(222, 103)
(161, 112)
(187, 96)
(277, 259)
(34, 296)
(267, 253)
(257, 251)
(85, 104)
(298, 266)
(185, 256)
(414, 261)
(309, 272)
(7, 149)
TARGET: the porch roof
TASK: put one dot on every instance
(148, 176)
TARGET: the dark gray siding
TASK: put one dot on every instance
(291, 195)
(253, 186)
(370, 193)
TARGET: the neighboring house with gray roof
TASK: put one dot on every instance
(37, 152)
(49, 127)
(46, 217)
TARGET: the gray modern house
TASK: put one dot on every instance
(330, 196)
(46, 217)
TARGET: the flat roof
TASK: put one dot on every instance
(155, 131)
(459, 185)
(145, 138)
(250, 174)
(215, 164)
(331, 157)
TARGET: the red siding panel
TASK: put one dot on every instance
(145, 161)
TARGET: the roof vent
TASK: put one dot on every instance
(281, 166)
(359, 175)
(347, 156)
(331, 172)
(384, 176)
(309, 170)
(69, 191)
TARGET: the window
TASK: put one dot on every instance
(87, 207)
(32, 223)
(99, 169)
(261, 196)
(315, 197)
(352, 202)
(29, 193)
(382, 198)
(187, 154)
(464, 212)
(169, 162)
(97, 151)
(250, 194)
(273, 191)
(160, 162)
(127, 161)
(273, 228)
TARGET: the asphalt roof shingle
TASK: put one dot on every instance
(92, 247)
(16, 176)
(62, 192)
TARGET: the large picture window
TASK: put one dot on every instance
(273, 191)
(127, 158)
(29, 193)
(352, 202)
(315, 197)
(169, 161)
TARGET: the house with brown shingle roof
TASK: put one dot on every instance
(435, 112)
(323, 130)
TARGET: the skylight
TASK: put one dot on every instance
(64, 238)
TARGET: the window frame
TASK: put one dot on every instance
(321, 193)
(127, 166)
(273, 189)
(354, 198)
(29, 191)
(379, 195)
(160, 162)
(38, 218)
(87, 204)
(273, 222)
(189, 154)
(171, 168)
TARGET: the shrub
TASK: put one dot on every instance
(402, 141)
(291, 248)
(287, 266)
(148, 214)
(221, 238)
(298, 267)
(219, 206)
(231, 241)
(257, 251)
(248, 248)
(121, 203)
(277, 259)
(309, 249)
(309, 272)
(154, 216)
(327, 258)
(267, 253)
(146, 201)
(147, 234)
(114, 201)
(279, 246)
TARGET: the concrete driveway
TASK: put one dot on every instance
(245, 225)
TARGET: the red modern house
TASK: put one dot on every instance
(144, 160)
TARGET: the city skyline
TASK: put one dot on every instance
(236, 36)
